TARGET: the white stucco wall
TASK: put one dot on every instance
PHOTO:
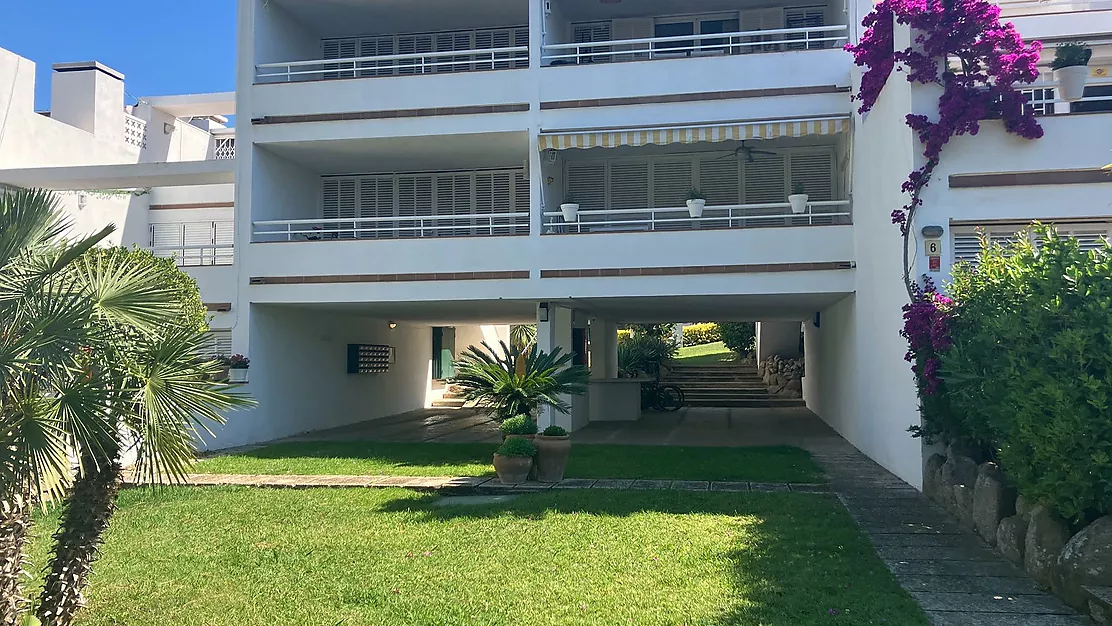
(299, 374)
(777, 338)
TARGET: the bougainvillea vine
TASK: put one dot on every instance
(990, 59)
(961, 46)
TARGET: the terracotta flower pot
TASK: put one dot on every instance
(552, 457)
(512, 470)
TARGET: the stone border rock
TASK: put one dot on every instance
(784, 377)
(1076, 567)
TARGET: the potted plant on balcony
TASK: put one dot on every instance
(798, 198)
(1071, 68)
(570, 208)
(696, 202)
(553, 449)
(237, 368)
(513, 460)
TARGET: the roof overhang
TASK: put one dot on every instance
(123, 175)
(195, 105)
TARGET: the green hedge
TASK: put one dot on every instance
(741, 337)
(699, 334)
(1029, 374)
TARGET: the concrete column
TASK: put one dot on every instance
(781, 338)
(600, 348)
(555, 333)
(89, 96)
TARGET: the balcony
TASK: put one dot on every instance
(194, 244)
(311, 57)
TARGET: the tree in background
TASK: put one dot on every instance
(741, 337)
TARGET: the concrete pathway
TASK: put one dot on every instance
(957, 578)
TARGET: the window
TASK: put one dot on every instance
(967, 239)
(696, 25)
(194, 244)
(1041, 101)
(422, 43)
(457, 196)
(1094, 91)
(676, 29)
(804, 17)
(590, 33)
(217, 343)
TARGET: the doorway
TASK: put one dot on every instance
(443, 352)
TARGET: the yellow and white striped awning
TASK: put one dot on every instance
(661, 136)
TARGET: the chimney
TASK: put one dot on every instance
(89, 96)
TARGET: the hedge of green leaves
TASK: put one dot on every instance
(741, 337)
(699, 334)
(1029, 374)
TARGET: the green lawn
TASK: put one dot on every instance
(328, 557)
(368, 458)
(706, 354)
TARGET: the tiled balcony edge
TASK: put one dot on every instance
(389, 278)
(695, 97)
(392, 114)
(698, 269)
(1035, 177)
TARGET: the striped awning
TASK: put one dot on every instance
(661, 136)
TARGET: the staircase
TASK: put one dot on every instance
(452, 399)
(725, 385)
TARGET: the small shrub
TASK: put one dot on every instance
(798, 188)
(741, 337)
(699, 334)
(519, 425)
(695, 194)
(643, 353)
(239, 362)
(624, 333)
(1071, 55)
(518, 448)
(555, 431)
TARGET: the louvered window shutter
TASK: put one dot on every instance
(586, 183)
(588, 33)
(340, 49)
(763, 182)
(339, 202)
(628, 188)
(720, 182)
(521, 38)
(216, 343)
(225, 236)
(376, 199)
(967, 246)
(414, 44)
(522, 203)
(815, 170)
(376, 46)
(167, 240)
(804, 17)
(762, 19)
(671, 180)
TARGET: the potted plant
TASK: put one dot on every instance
(513, 460)
(696, 202)
(237, 368)
(798, 198)
(570, 208)
(511, 382)
(553, 447)
(520, 427)
(1071, 68)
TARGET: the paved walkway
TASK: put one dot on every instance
(957, 578)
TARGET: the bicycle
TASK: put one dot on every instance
(655, 396)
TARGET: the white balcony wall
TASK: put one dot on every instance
(280, 37)
(282, 189)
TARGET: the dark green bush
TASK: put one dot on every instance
(642, 353)
(519, 425)
(1030, 369)
(518, 448)
(555, 431)
(741, 337)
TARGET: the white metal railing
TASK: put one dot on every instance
(1045, 100)
(224, 147)
(198, 256)
(135, 131)
(1010, 8)
(715, 44)
(418, 226)
(394, 64)
(770, 214)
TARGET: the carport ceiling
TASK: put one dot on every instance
(408, 154)
(336, 18)
(434, 313)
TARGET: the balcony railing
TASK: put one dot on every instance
(416, 227)
(716, 44)
(765, 215)
(1044, 97)
(198, 256)
(394, 65)
(1015, 8)
(224, 147)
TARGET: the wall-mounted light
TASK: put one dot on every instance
(82, 200)
(932, 232)
(393, 324)
(167, 128)
(542, 312)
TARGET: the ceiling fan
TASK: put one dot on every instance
(744, 152)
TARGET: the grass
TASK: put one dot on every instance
(246, 557)
(364, 458)
(705, 354)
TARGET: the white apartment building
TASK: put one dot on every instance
(399, 170)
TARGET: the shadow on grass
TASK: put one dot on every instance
(762, 464)
(794, 560)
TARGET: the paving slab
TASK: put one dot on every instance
(651, 484)
(609, 483)
(929, 552)
(575, 483)
(729, 486)
(942, 618)
(810, 487)
(967, 584)
(691, 485)
(769, 487)
(1030, 604)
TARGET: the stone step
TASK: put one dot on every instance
(1100, 604)
(716, 387)
(749, 403)
(449, 403)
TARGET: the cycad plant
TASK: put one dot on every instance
(511, 382)
(97, 354)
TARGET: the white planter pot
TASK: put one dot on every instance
(695, 207)
(798, 202)
(1071, 82)
(237, 375)
(570, 211)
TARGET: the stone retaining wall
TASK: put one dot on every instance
(1076, 566)
(784, 377)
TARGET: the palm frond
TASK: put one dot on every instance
(126, 293)
(29, 218)
(493, 379)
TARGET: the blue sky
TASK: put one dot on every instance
(162, 46)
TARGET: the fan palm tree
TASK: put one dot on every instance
(511, 382)
(523, 336)
(98, 353)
